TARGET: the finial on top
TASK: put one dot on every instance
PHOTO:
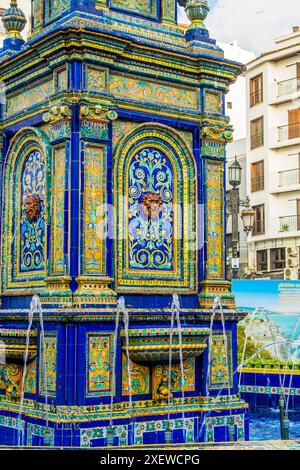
(197, 35)
(197, 11)
(14, 21)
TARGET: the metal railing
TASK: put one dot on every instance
(257, 184)
(289, 177)
(286, 87)
(289, 223)
(291, 131)
(257, 140)
(256, 97)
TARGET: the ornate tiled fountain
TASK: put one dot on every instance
(113, 155)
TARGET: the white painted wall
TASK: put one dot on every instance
(237, 91)
(279, 201)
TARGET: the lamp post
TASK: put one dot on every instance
(234, 203)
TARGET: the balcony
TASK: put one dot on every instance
(287, 87)
(289, 223)
(289, 177)
(257, 140)
(289, 132)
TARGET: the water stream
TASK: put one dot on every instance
(114, 363)
(245, 363)
(35, 307)
(218, 304)
(121, 309)
(217, 307)
(273, 335)
(175, 315)
(30, 320)
(247, 336)
(121, 305)
(170, 363)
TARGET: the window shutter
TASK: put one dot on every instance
(294, 123)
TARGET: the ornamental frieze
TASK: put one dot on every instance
(57, 113)
(215, 133)
(98, 112)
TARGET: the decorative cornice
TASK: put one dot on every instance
(57, 113)
(97, 113)
(216, 134)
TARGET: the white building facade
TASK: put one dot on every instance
(237, 149)
(273, 159)
(235, 98)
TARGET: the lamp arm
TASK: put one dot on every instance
(245, 202)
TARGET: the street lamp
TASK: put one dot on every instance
(235, 174)
(247, 216)
(234, 203)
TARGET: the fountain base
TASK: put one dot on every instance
(151, 345)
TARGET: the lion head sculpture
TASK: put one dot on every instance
(151, 205)
(32, 207)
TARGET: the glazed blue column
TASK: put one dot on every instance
(76, 86)
(58, 122)
(213, 170)
(95, 198)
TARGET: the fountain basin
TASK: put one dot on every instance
(13, 345)
(152, 345)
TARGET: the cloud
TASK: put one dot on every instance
(253, 23)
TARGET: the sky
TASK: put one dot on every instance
(252, 23)
(25, 5)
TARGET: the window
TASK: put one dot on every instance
(294, 123)
(259, 220)
(262, 260)
(256, 90)
(257, 176)
(277, 259)
(257, 133)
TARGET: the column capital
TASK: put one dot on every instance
(216, 133)
(98, 112)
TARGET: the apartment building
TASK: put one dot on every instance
(237, 149)
(273, 159)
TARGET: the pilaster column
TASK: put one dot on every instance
(168, 11)
(213, 152)
(58, 128)
(37, 16)
(95, 255)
